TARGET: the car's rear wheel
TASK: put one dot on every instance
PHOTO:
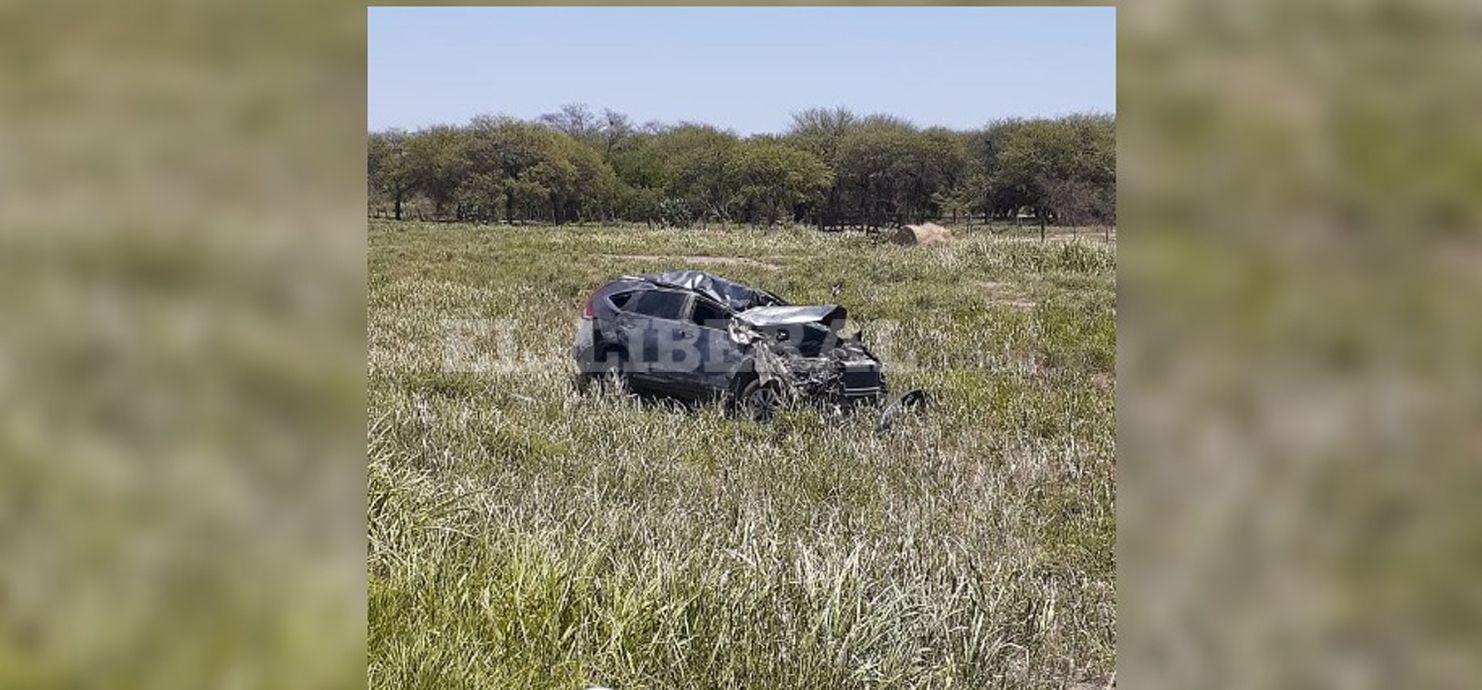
(609, 373)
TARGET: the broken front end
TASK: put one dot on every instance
(802, 353)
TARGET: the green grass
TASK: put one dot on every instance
(525, 535)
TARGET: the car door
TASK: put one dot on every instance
(662, 353)
(719, 355)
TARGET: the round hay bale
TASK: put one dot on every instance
(925, 233)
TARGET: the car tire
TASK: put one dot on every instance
(610, 373)
(758, 401)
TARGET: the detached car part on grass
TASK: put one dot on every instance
(695, 336)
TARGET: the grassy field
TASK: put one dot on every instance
(525, 535)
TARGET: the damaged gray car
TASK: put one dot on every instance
(695, 336)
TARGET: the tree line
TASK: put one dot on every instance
(831, 168)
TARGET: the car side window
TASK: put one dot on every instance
(660, 304)
(710, 314)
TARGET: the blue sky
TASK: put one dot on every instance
(746, 69)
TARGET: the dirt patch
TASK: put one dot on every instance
(1004, 294)
(699, 260)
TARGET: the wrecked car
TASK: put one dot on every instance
(696, 336)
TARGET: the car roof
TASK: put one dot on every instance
(733, 295)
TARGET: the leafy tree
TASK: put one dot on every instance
(644, 177)
(872, 163)
(697, 159)
(831, 166)
(389, 171)
(1063, 169)
(534, 169)
(436, 157)
(934, 165)
(820, 131)
(575, 176)
(770, 179)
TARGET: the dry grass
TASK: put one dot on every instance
(523, 535)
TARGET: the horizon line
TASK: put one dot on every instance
(683, 122)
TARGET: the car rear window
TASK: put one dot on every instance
(620, 300)
(661, 304)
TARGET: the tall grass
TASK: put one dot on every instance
(523, 534)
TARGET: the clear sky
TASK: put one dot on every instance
(746, 69)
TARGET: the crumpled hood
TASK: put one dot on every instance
(830, 315)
